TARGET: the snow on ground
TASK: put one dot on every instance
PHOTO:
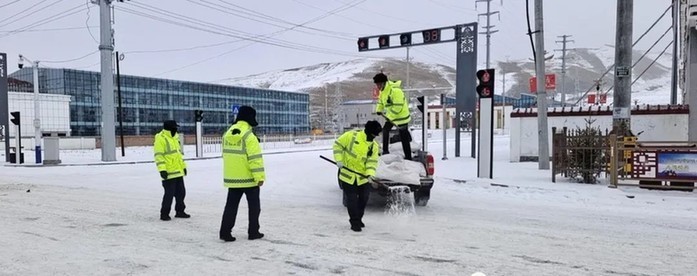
(104, 220)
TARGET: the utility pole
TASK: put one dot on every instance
(503, 96)
(339, 107)
(326, 108)
(563, 66)
(542, 132)
(623, 69)
(676, 27)
(408, 65)
(489, 28)
(37, 107)
(108, 131)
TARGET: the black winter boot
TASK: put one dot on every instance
(228, 238)
(182, 215)
(165, 217)
(256, 236)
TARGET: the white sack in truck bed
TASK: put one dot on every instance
(394, 168)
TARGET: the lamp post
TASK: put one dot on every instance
(37, 111)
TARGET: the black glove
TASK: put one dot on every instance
(379, 113)
(184, 171)
(163, 174)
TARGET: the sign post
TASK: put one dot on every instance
(4, 105)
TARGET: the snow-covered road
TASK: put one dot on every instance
(104, 220)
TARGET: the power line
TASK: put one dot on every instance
(21, 12)
(9, 4)
(27, 15)
(338, 15)
(54, 29)
(302, 25)
(87, 21)
(71, 60)
(225, 31)
(44, 21)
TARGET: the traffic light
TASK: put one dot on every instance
(420, 106)
(198, 115)
(485, 89)
(15, 117)
(362, 44)
(384, 41)
(405, 39)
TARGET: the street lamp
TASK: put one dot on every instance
(37, 111)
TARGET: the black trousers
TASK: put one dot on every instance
(404, 136)
(174, 188)
(234, 195)
(357, 199)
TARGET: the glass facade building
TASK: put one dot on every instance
(147, 102)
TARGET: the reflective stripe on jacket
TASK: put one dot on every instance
(243, 165)
(358, 154)
(168, 154)
(393, 103)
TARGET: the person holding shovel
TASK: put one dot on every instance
(356, 155)
(393, 105)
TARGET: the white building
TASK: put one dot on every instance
(356, 113)
(54, 113)
(438, 120)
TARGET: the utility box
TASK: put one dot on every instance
(52, 151)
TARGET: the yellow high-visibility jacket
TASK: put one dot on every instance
(393, 103)
(168, 154)
(358, 154)
(243, 166)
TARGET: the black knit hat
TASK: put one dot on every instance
(170, 125)
(247, 114)
(380, 78)
(373, 127)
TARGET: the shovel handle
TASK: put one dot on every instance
(363, 175)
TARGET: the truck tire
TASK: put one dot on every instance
(420, 200)
(421, 197)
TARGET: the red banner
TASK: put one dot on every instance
(550, 83)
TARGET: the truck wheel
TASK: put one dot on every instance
(421, 197)
(420, 200)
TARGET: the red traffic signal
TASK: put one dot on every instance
(485, 89)
(384, 41)
(362, 44)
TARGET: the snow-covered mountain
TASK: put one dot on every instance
(353, 78)
(584, 67)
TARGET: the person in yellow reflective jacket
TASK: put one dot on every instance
(356, 155)
(170, 163)
(394, 106)
(243, 173)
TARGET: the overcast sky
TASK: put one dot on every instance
(331, 35)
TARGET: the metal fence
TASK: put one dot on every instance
(213, 145)
(581, 154)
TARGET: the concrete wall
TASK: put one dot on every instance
(650, 123)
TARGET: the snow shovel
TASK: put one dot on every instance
(360, 174)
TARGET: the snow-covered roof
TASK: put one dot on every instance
(359, 102)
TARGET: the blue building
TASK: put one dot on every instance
(147, 102)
